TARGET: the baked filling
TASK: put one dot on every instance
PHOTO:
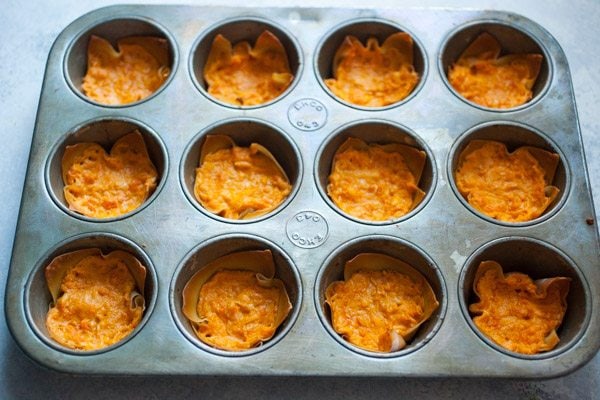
(239, 182)
(376, 182)
(97, 299)
(235, 303)
(245, 76)
(511, 187)
(516, 312)
(134, 71)
(101, 185)
(480, 75)
(374, 75)
(381, 302)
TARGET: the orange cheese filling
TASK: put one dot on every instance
(238, 312)
(514, 313)
(240, 182)
(246, 76)
(95, 309)
(508, 187)
(374, 75)
(134, 72)
(372, 183)
(483, 78)
(371, 304)
(100, 185)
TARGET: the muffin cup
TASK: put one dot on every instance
(217, 247)
(104, 131)
(243, 132)
(75, 61)
(239, 30)
(513, 135)
(38, 298)
(538, 260)
(513, 40)
(333, 270)
(363, 29)
(380, 132)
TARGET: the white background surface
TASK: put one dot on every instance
(28, 31)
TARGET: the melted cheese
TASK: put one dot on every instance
(99, 185)
(507, 187)
(515, 314)
(95, 308)
(485, 79)
(239, 313)
(246, 76)
(372, 184)
(119, 77)
(373, 75)
(369, 306)
(239, 182)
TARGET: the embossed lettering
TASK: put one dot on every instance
(307, 229)
(307, 114)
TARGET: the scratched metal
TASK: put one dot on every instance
(444, 237)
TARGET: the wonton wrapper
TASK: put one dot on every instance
(99, 185)
(377, 199)
(510, 323)
(367, 263)
(256, 261)
(373, 75)
(246, 76)
(502, 199)
(134, 72)
(74, 336)
(482, 77)
(247, 190)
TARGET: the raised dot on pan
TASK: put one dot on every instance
(243, 132)
(332, 270)
(512, 40)
(513, 136)
(104, 132)
(538, 260)
(373, 132)
(245, 30)
(38, 297)
(204, 254)
(76, 59)
(363, 30)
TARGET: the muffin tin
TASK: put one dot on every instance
(444, 238)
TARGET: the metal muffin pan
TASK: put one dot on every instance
(310, 238)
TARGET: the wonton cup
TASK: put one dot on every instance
(239, 182)
(374, 331)
(374, 75)
(510, 187)
(517, 313)
(242, 330)
(393, 169)
(246, 76)
(484, 78)
(101, 185)
(97, 299)
(131, 73)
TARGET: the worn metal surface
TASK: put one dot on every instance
(444, 229)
